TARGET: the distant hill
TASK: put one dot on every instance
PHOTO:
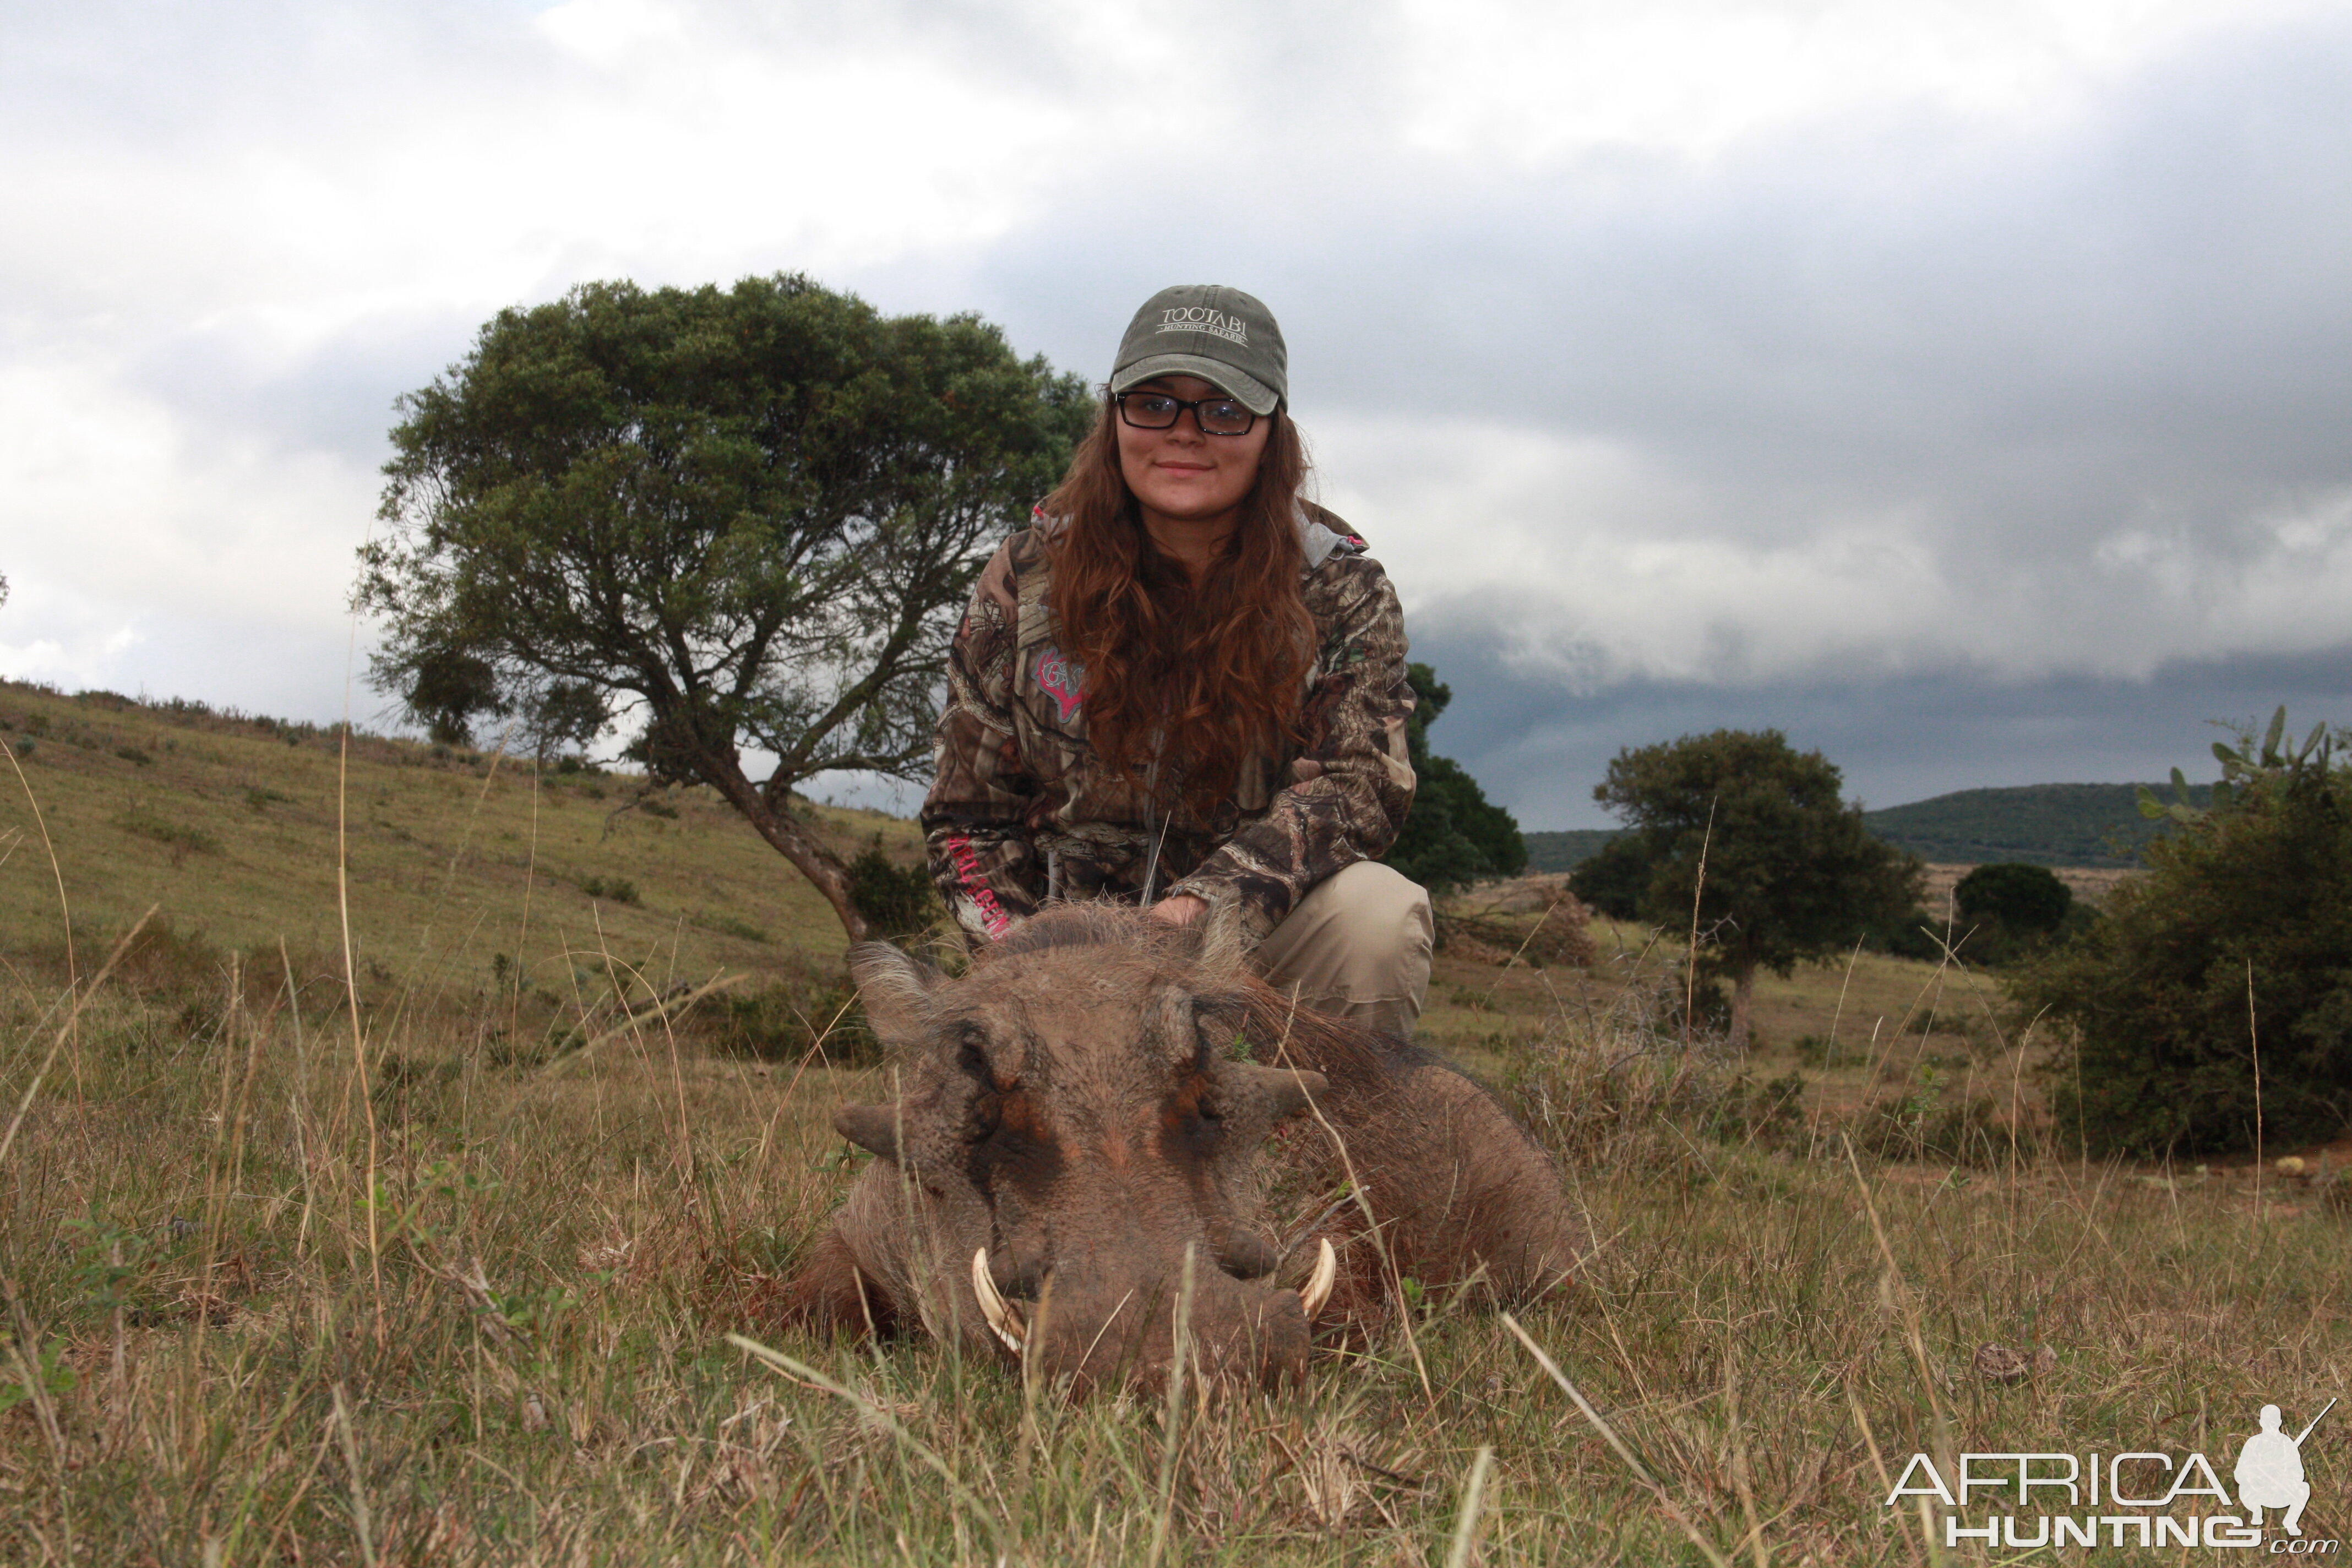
(2097, 825)
(2042, 824)
(1565, 851)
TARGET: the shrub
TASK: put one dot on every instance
(728, 925)
(1454, 835)
(2024, 898)
(1918, 936)
(787, 1021)
(2237, 942)
(612, 889)
(1768, 1113)
(895, 901)
(1919, 1125)
(177, 836)
(1613, 879)
(2008, 909)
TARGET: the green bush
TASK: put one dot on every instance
(2008, 910)
(1613, 879)
(895, 900)
(1454, 835)
(730, 925)
(176, 836)
(1919, 936)
(794, 1019)
(1920, 1125)
(612, 889)
(2238, 941)
(2023, 898)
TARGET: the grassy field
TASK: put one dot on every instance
(438, 1290)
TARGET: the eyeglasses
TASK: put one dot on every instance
(1158, 410)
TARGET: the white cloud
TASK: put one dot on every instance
(109, 500)
(1498, 79)
(1726, 343)
(68, 641)
(627, 135)
(1591, 563)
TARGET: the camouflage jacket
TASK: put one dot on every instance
(1020, 810)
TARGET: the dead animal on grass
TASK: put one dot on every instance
(1104, 1094)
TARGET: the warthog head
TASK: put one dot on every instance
(1074, 1154)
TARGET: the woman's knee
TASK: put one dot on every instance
(1376, 908)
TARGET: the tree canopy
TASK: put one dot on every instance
(2007, 909)
(1752, 832)
(735, 520)
(1454, 835)
(2236, 944)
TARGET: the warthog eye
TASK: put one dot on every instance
(1010, 1142)
(972, 1058)
(1191, 1122)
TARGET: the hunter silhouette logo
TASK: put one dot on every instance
(2136, 1497)
(2270, 1471)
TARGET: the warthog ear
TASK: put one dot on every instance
(896, 989)
(1289, 1089)
(1183, 1026)
(1220, 958)
(872, 1127)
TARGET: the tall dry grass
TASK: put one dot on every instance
(238, 1332)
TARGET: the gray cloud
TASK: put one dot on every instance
(1975, 441)
(1541, 752)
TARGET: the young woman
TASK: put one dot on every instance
(1186, 684)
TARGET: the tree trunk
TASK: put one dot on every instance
(789, 837)
(1743, 991)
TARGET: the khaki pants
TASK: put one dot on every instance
(1356, 946)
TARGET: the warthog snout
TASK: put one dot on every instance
(1112, 1326)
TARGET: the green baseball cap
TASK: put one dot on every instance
(1221, 335)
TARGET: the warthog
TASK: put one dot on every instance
(1090, 1127)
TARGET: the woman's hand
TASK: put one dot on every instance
(1181, 911)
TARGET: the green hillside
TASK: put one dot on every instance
(460, 862)
(2042, 824)
(1565, 851)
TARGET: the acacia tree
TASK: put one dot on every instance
(1789, 870)
(736, 520)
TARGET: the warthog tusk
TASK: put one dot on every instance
(1318, 1289)
(1003, 1315)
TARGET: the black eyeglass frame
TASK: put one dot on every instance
(1183, 405)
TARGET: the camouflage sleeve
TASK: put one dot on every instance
(1353, 783)
(974, 824)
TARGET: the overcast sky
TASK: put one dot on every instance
(1964, 388)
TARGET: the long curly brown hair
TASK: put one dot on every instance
(1184, 680)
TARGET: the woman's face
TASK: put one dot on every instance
(1182, 475)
